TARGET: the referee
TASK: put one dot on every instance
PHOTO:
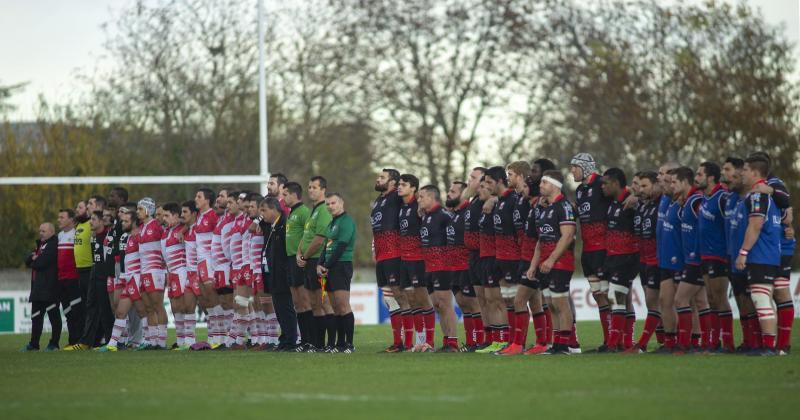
(336, 265)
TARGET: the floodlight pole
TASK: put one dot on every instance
(262, 101)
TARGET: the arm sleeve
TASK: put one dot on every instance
(343, 238)
(46, 259)
(781, 195)
(757, 205)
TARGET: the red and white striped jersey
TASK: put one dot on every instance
(190, 243)
(150, 247)
(237, 232)
(204, 231)
(174, 249)
(221, 243)
(256, 245)
(133, 262)
(66, 256)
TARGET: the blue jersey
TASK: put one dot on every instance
(671, 255)
(737, 222)
(730, 201)
(780, 196)
(712, 226)
(663, 205)
(690, 220)
(767, 249)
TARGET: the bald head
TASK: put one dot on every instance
(46, 231)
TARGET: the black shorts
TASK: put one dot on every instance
(387, 272)
(461, 283)
(508, 270)
(714, 268)
(529, 283)
(475, 268)
(761, 273)
(593, 263)
(224, 291)
(650, 275)
(439, 281)
(412, 274)
(670, 274)
(311, 278)
(621, 269)
(739, 283)
(556, 280)
(297, 274)
(489, 273)
(691, 274)
(785, 271)
(339, 276)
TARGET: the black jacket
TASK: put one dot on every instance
(275, 262)
(44, 279)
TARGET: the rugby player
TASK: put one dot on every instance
(516, 173)
(592, 211)
(220, 251)
(240, 270)
(204, 235)
(472, 241)
(174, 253)
(276, 188)
(192, 293)
(433, 237)
(153, 276)
(420, 318)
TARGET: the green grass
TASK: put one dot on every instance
(85, 385)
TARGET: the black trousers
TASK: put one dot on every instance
(99, 318)
(69, 295)
(38, 310)
(287, 317)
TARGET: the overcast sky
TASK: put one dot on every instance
(48, 42)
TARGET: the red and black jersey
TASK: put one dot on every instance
(548, 227)
(457, 253)
(505, 232)
(385, 219)
(521, 208)
(528, 245)
(433, 234)
(644, 227)
(487, 245)
(410, 246)
(620, 238)
(592, 211)
(472, 217)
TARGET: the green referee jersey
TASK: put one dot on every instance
(342, 229)
(83, 245)
(295, 225)
(317, 224)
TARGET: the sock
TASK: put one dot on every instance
(480, 333)
(725, 319)
(670, 340)
(705, 328)
(548, 317)
(540, 326)
(755, 331)
(408, 328)
(233, 329)
(503, 333)
(120, 325)
(145, 330)
(785, 321)
(189, 328)
(715, 330)
(510, 315)
(349, 328)
(179, 329)
(272, 328)
(469, 326)
(162, 335)
(123, 339)
(660, 331)
(419, 327)
(605, 320)
(616, 328)
(319, 332)
(450, 341)
(684, 327)
(521, 325)
(744, 323)
(696, 340)
(627, 333)
(768, 341)
(395, 318)
(330, 330)
(340, 331)
(215, 321)
(430, 326)
(229, 315)
(650, 324)
(573, 335)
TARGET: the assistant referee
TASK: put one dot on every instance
(336, 265)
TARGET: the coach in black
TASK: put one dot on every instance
(44, 288)
(275, 268)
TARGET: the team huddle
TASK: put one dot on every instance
(503, 243)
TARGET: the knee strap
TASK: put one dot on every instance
(613, 289)
(508, 292)
(761, 295)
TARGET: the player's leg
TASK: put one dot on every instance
(521, 314)
(443, 303)
(782, 296)
(651, 283)
(562, 312)
(666, 299)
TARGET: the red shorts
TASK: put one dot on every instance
(120, 283)
(203, 272)
(222, 279)
(110, 284)
(194, 282)
(236, 277)
(258, 282)
(131, 290)
(246, 276)
(153, 282)
(177, 285)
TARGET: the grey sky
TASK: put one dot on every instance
(48, 42)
